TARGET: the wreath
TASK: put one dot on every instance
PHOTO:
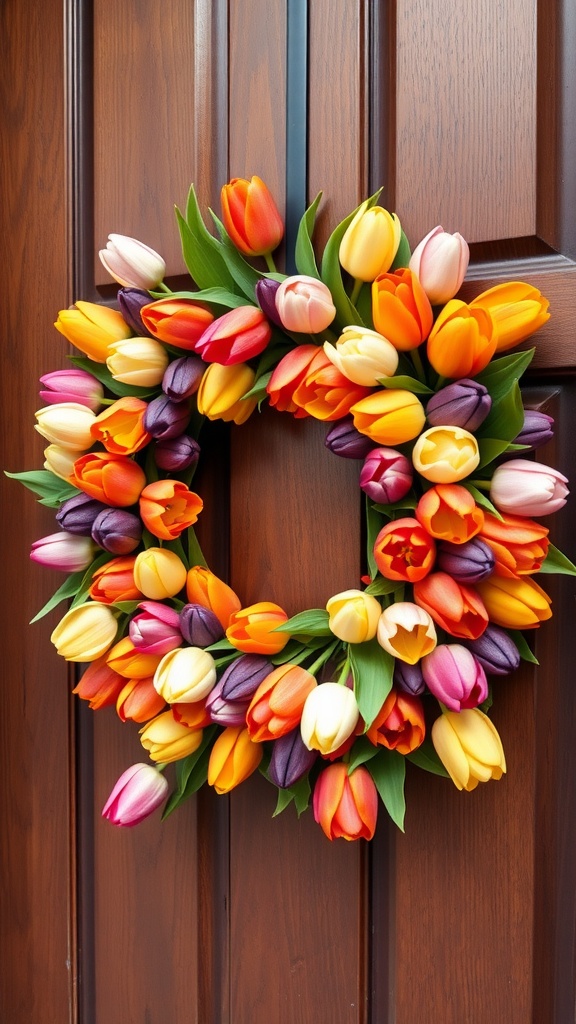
(421, 389)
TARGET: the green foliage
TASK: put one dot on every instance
(388, 770)
(372, 670)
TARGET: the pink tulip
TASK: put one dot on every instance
(131, 263)
(138, 792)
(440, 262)
(525, 488)
(72, 386)
(236, 336)
(304, 305)
(455, 677)
(64, 551)
(156, 629)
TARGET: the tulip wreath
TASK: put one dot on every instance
(419, 387)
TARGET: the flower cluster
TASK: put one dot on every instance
(414, 384)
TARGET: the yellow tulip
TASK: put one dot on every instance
(514, 603)
(139, 361)
(363, 356)
(60, 461)
(66, 424)
(517, 310)
(445, 454)
(159, 573)
(370, 242)
(85, 632)
(353, 616)
(219, 396)
(167, 740)
(406, 631)
(92, 327)
(389, 417)
(469, 747)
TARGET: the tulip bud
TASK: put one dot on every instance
(114, 479)
(117, 531)
(346, 805)
(363, 356)
(167, 740)
(465, 403)
(265, 290)
(67, 424)
(462, 340)
(495, 650)
(343, 439)
(221, 393)
(467, 563)
(517, 310)
(185, 674)
(389, 417)
(353, 616)
(226, 712)
(257, 629)
(251, 216)
(166, 419)
(114, 581)
(243, 677)
(159, 573)
(305, 304)
(75, 386)
(469, 747)
(155, 629)
(440, 261)
(85, 632)
(77, 514)
(386, 476)
(290, 760)
(138, 792)
(138, 701)
(536, 429)
(276, 707)
(138, 361)
(60, 461)
(131, 301)
(66, 552)
(401, 310)
(408, 678)
(370, 242)
(235, 337)
(445, 454)
(182, 378)
(91, 327)
(200, 626)
(99, 684)
(329, 716)
(455, 677)
(324, 392)
(131, 263)
(232, 759)
(178, 322)
(528, 488)
(175, 454)
(203, 587)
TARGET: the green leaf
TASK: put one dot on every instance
(522, 645)
(244, 276)
(213, 296)
(362, 751)
(372, 670)
(481, 499)
(506, 417)
(51, 488)
(490, 448)
(67, 590)
(403, 253)
(201, 250)
(191, 772)
(389, 771)
(381, 586)
(313, 622)
(305, 257)
(374, 523)
(426, 757)
(557, 562)
(258, 389)
(299, 793)
(115, 387)
(403, 383)
(501, 373)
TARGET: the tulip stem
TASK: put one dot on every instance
(345, 671)
(418, 366)
(323, 657)
(356, 290)
(163, 288)
(481, 485)
(270, 262)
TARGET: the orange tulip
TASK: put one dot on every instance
(455, 607)
(251, 629)
(91, 327)
(114, 581)
(399, 725)
(120, 427)
(462, 341)
(401, 310)
(167, 508)
(287, 376)
(251, 216)
(276, 707)
(389, 417)
(138, 701)
(178, 322)
(449, 512)
(129, 662)
(99, 684)
(520, 545)
(324, 392)
(112, 479)
(403, 550)
(203, 587)
(233, 758)
(517, 310)
(515, 602)
(346, 805)
(192, 713)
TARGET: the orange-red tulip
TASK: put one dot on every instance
(324, 392)
(251, 629)
(276, 707)
(286, 377)
(399, 725)
(455, 607)
(403, 550)
(99, 684)
(346, 806)
(251, 216)
(114, 581)
(120, 427)
(520, 545)
(131, 663)
(233, 758)
(203, 587)
(462, 341)
(449, 512)
(167, 508)
(401, 310)
(236, 336)
(138, 700)
(112, 479)
(178, 322)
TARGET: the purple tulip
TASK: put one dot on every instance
(182, 377)
(495, 650)
(408, 678)
(72, 386)
(265, 291)
(176, 453)
(467, 563)
(200, 626)
(290, 759)
(386, 476)
(164, 418)
(138, 792)
(131, 301)
(226, 712)
(465, 403)
(455, 677)
(155, 629)
(64, 551)
(536, 430)
(77, 514)
(243, 677)
(117, 531)
(343, 439)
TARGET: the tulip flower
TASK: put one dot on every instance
(200, 626)
(120, 427)
(205, 588)
(401, 310)
(165, 419)
(353, 616)
(138, 361)
(85, 632)
(370, 242)
(159, 573)
(519, 545)
(138, 701)
(175, 454)
(185, 674)
(304, 304)
(114, 581)
(467, 563)
(252, 629)
(455, 607)
(130, 662)
(131, 301)
(251, 216)
(276, 707)
(343, 439)
(99, 684)
(287, 376)
(193, 714)
(233, 758)
(182, 378)
(265, 292)
(221, 393)
(464, 403)
(66, 552)
(167, 740)
(78, 386)
(67, 424)
(324, 392)
(112, 479)
(116, 530)
(167, 508)
(440, 261)
(131, 263)
(445, 455)
(469, 747)
(403, 550)
(495, 650)
(525, 488)
(408, 678)
(329, 716)
(60, 461)
(517, 310)
(514, 602)
(91, 328)
(406, 631)
(536, 429)
(290, 760)
(223, 711)
(138, 792)
(389, 417)
(77, 514)
(399, 725)
(178, 322)
(345, 805)
(386, 476)
(236, 336)
(462, 341)
(455, 677)
(155, 628)
(449, 512)
(243, 676)
(363, 356)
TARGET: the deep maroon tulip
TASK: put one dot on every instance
(408, 678)
(77, 514)
(243, 677)
(467, 563)
(182, 377)
(117, 531)
(465, 403)
(176, 453)
(164, 418)
(495, 650)
(200, 626)
(131, 301)
(386, 475)
(343, 439)
(265, 290)
(290, 759)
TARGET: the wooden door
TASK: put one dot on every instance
(464, 113)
